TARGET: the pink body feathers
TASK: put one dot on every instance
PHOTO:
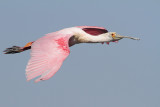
(49, 52)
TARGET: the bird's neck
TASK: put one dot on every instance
(79, 36)
(82, 37)
(94, 39)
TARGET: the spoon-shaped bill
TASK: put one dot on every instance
(121, 37)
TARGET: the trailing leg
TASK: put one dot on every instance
(17, 49)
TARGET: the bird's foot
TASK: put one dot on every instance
(13, 50)
(106, 43)
(115, 41)
(17, 49)
(109, 42)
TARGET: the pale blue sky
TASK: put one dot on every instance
(124, 74)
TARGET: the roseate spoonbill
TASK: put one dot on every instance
(49, 52)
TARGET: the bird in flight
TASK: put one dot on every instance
(49, 52)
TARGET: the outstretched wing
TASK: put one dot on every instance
(47, 56)
(93, 30)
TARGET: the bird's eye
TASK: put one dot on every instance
(113, 35)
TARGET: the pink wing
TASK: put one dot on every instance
(47, 56)
(93, 30)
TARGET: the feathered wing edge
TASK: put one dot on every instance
(47, 56)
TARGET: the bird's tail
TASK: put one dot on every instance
(17, 49)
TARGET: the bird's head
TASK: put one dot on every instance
(117, 37)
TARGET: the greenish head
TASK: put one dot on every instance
(116, 36)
